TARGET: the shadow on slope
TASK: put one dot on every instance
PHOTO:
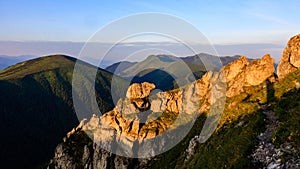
(37, 108)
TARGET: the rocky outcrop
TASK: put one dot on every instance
(241, 73)
(69, 156)
(142, 116)
(290, 60)
(139, 91)
(127, 124)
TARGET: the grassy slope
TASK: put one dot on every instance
(36, 65)
(36, 108)
(241, 123)
(287, 108)
(231, 144)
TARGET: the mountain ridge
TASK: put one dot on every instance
(36, 103)
(43, 98)
(162, 70)
(249, 84)
(195, 59)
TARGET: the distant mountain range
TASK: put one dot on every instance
(166, 70)
(126, 68)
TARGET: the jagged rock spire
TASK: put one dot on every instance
(290, 60)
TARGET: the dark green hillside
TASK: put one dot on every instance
(118, 67)
(36, 109)
(287, 108)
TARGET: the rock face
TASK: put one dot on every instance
(290, 60)
(141, 116)
(139, 91)
(91, 157)
(241, 73)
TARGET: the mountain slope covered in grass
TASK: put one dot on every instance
(36, 108)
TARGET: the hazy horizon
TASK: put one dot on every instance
(121, 51)
(250, 28)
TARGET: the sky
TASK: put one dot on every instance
(225, 23)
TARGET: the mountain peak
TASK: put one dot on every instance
(37, 65)
(241, 73)
(163, 58)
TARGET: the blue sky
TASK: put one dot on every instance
(222, 22)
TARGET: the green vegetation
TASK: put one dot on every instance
(165, 119)
(287, 108)
(231, 144)
(286, 84)
(36, 65)
(37, 108)
(173, 157)
(258, 94)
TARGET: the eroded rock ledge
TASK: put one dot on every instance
(142, 115)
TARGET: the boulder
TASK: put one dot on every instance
(139, 91)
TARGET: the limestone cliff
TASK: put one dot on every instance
(290, 60)
(142, 116)
(241, 73)
(132, 125)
